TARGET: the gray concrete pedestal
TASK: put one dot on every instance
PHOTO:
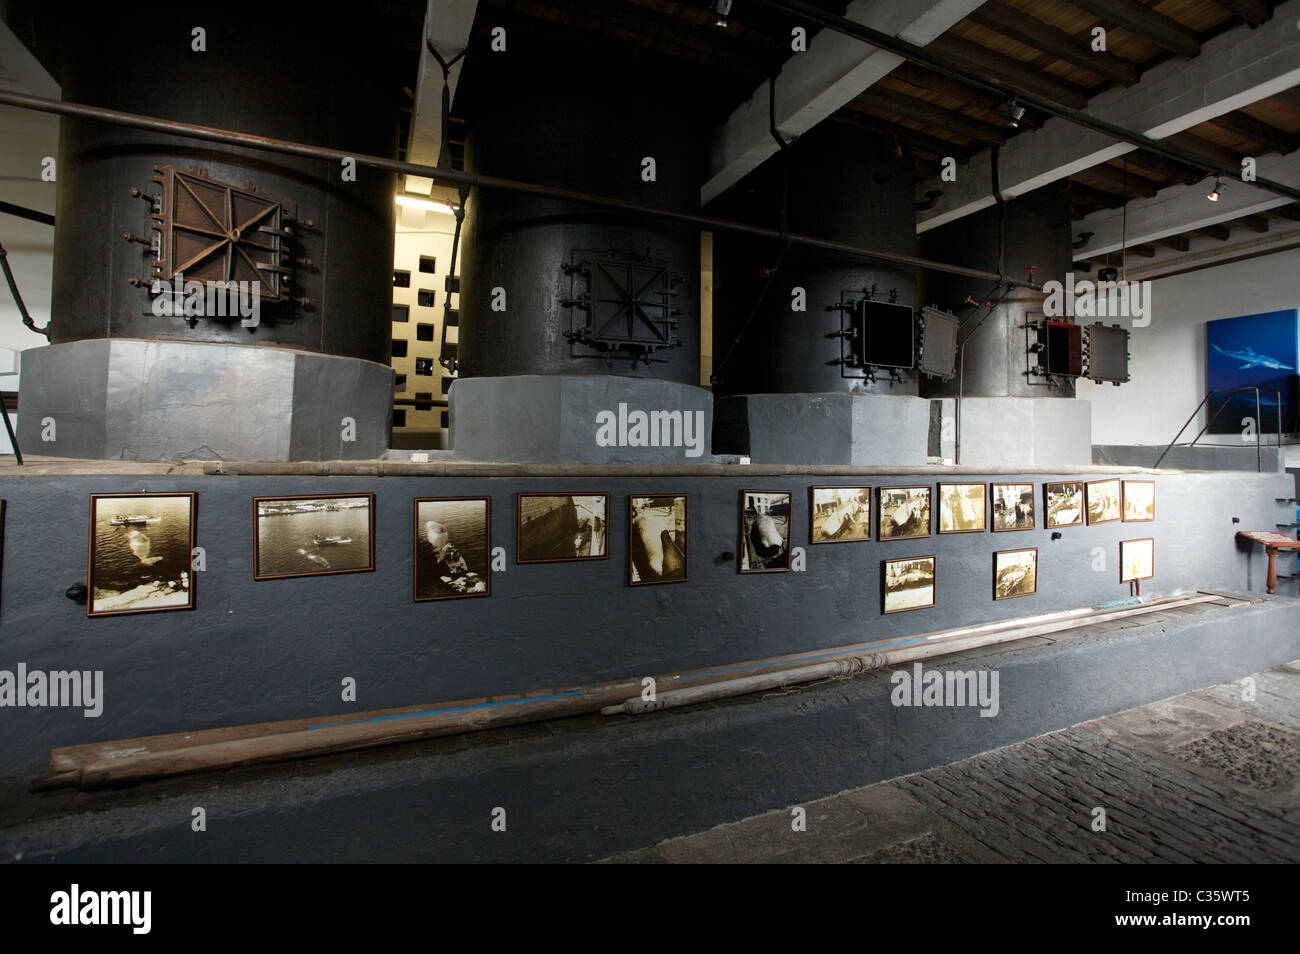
(858, 429)
(580, 419)
(130, 399)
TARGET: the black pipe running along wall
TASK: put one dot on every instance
(582, 117)
(270, 69)
(845, 184)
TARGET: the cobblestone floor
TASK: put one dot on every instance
(1208, 776)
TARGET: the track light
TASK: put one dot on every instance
(721, 9)
(1213, 194)
(1017, 114)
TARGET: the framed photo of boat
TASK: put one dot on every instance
(840, 515)
(908, 583)
(1103, 501)
(553, 527)
(140, 553)
(903, 512)
(313, 535)
(1013, 507)
(453, 547)
(765, 531)
(1139, 499)
(658, 546)
(1137, 559)
(1063, 504)
(1015, 573)
(963, 508)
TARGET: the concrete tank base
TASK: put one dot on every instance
(1028, 432)
(580, 419)
(131, 399)
(859, 429)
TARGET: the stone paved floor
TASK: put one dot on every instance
(1203, 777)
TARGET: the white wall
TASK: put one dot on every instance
(1168, 357)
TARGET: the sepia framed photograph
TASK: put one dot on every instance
(1137, 559)
(657, 543)
(765, 531)
(908, 583)
(1103, 501)
(1063, 504)
(1013, 507)
(555, 527)
(140, 553)
(312, 535)
(1015, 573)
(840, 514)
(453, 547)
(1139, 501)
(962, 508)
(904, 512)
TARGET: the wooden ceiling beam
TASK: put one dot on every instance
(1013, 72)
(1218, 232)
(1291, 211)
(1126, 185)
(1213, 153)
(923, 142)
(1146, 251)
(1035, 33)
(1256, 130)
(1161, 166)
(878, 97)
(1256, 223)
(1164, 32)
(1093, 198)
(1253, 12)
(1179, 243)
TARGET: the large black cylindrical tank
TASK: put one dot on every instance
(266, 69)
(589, 123)
(1036, 244)
(845, 184)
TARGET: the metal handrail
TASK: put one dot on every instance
(1259, 466)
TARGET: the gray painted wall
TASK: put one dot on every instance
(277, 649)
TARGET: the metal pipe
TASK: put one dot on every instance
(933, 61)
(25, 213)
(457, 177)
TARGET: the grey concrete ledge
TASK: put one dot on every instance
(52, 466)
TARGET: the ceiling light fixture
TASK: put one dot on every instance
(721, 10)
(412, 202)
(1017, 114)
(1213, 194)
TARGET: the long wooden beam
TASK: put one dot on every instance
(1257, 131)
(1019, 25)
(1253, 12)
(1010, 71)
(878, 97)
(1132, 16)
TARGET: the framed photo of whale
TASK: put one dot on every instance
(313, 535)
(840, 515)
(140, 552)
(963, 508)
(658, 539)
(765, 531)
(453, 547)
(904, 512)
(553, 527)
(1063, 504)
(908, 583)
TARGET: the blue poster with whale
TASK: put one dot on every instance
(1253, 351)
